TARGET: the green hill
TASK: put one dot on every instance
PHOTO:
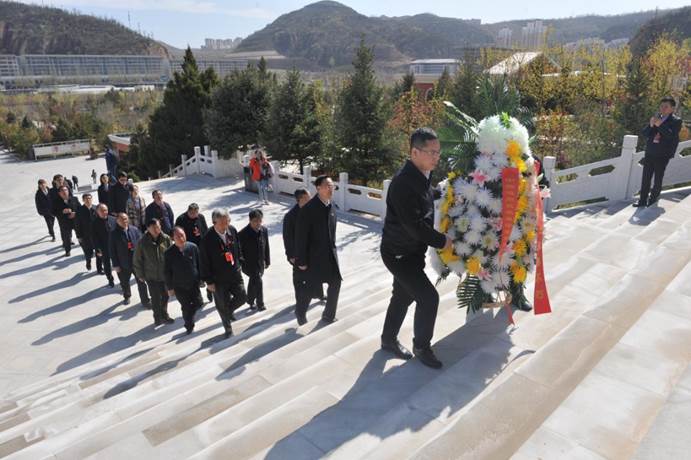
(676, 24)
(31, 29)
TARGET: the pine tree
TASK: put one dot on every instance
(237, 114)
(359, 123)
(176, 126)
(403, 86)
(635, 108)
(463, 92)
(443, 85)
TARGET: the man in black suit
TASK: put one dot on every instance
(86, 213)
(181, 269)
(101, 228)
(194, 224)
(254, 241)
(220, 253)
(162, 211)
(65, 210)
(408, 231)
(662, 134)
(118, 195)
(44, 206)
(316, 255)
(302, 197)
(123, 242)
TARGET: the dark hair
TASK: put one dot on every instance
(41, 181)
(100, 178)
(122, 174)
(420, 137)
(256, 214)
(57, 176)
(320, 180)
(299, 193)
(84, 195)
(193, 206)
(670, 100)
(63, 187)
(153, 221)
(153, 194)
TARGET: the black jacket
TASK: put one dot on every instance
(668, 139)
(195, 229)
(215, 269)
(82, 224)
(59, 205)
(181, 268)
(117, 198)
(100, 233)
(255, 250)
(44, 203)
(122, 246)
(289, 222)
(103, 194)
(163, 213)
(409, 223)
(315, 241)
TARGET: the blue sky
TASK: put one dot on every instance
(182, 22)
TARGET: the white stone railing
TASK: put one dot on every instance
(609, 180)
(602, 182)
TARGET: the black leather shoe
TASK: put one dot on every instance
(228, 331)
(111, 283)
(652, 201)
(168, 320)
(189, 329)
(232, 317)
(67, 253)
(88, 265)
(395, 347)
(327, 320)
(302, 319)
(126, 301)
(158, 322)
(639, 204)
(210, 296)
(52, 238)
(426, 357)
(261, 308)
(146, 305)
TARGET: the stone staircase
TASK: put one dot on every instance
(587, 381)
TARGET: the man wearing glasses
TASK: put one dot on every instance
(408, 231)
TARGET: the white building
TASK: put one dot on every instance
(533, 35)
(504, 38)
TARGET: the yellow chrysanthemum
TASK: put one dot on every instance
(444, 224)
(522, 204)
(519, 272)
(522, 184)
(513, 149)
(447, 256)
(473, 266)
(452, 175)
(520, 164)
(530, 236)
(520, 248)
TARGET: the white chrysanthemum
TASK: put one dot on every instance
(493, 174)
(505, 261)
(458, 183)
(463, 224)
(462, 248)
(488, 286)
(491, 135)
(472, 237)
(483, 163)
(457, 267)
(456, 210)
(501, 278)
(477, 223)
(489, 241)
(473, 211)
(515, 233)
(500, 161)
(495, 206)
(435, 261)
(481, 256)
(483, 197)
(468, 191)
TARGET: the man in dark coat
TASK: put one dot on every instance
(118, 195)
(408, 231)
(182, 273)
(162, 211)
(220, 253)
(123, 242)
(44, 206)
(662, 139)
(86, 213)
(254, 241)
(101, 228)
(193, 223)
(65, 210)
(316, 255)
(58, 181)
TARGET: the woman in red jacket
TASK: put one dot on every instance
(262, 171)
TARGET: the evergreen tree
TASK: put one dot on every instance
(359, 123)
(237, 114)
(293, 131)
(176, 126)
(443, 85)
(635, 108)
(403, 86)
(463, 92)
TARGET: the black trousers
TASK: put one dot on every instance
(190, 299)
(159, 299)
(103, 261)
(318, 289)
(124, 276)
(88, 250)
(410, 284)
(228, 297)
(307, 290)
(255, 289)
(66, 228)
(50, 222)
(652, 167)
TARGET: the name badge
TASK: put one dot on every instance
(229, 257)
(130, 246)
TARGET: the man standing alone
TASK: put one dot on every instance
(662, 134)
(408, 231)
(316, 255)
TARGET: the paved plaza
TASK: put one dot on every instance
(605, 376)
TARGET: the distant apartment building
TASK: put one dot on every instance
(504, 38)
(220, 43)
(533, 35)
(33, 71)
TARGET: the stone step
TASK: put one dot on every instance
(496, 425)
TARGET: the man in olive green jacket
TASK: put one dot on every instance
(148, 267)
